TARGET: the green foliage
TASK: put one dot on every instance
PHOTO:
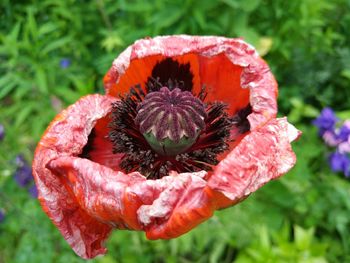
(281, 247)
(303, 217)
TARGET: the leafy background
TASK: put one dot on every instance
(303, 217)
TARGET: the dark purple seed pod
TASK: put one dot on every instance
(171, 114)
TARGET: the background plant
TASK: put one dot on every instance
(53, 52)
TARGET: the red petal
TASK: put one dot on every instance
(101, 147)
(263, 155)
(231, 69)
(164, 208)
(86, 199)
(100, 191)
(66, 136)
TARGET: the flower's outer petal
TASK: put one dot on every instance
(66, 136)
(182, 205)
(230, 68)
(101, 191)
(164, 208)
(262, 155)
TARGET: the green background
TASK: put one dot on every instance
(303, 217)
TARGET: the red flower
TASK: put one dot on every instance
(114, 161)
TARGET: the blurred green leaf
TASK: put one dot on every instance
(59, 43)
(249, 5)
(303, 238)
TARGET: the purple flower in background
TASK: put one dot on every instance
(330, 138)
(340, 163)
(65, 63)
(344, 132)
(33, 191)
(344, 147)
(326, 121)
(23, 175)
(20, 161)
(2, 132)
(338, 138)
(2, 216)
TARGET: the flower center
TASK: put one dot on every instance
(171, 121)
(165, 126)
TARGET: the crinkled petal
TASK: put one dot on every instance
(163, 208)
(230, 68)
(261, 156)
(66, 136)
(86, 199)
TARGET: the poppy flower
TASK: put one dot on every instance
(187, 126)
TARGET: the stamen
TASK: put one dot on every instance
(240, 119)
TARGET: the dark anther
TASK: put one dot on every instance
(240, 119)
(170, 73)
